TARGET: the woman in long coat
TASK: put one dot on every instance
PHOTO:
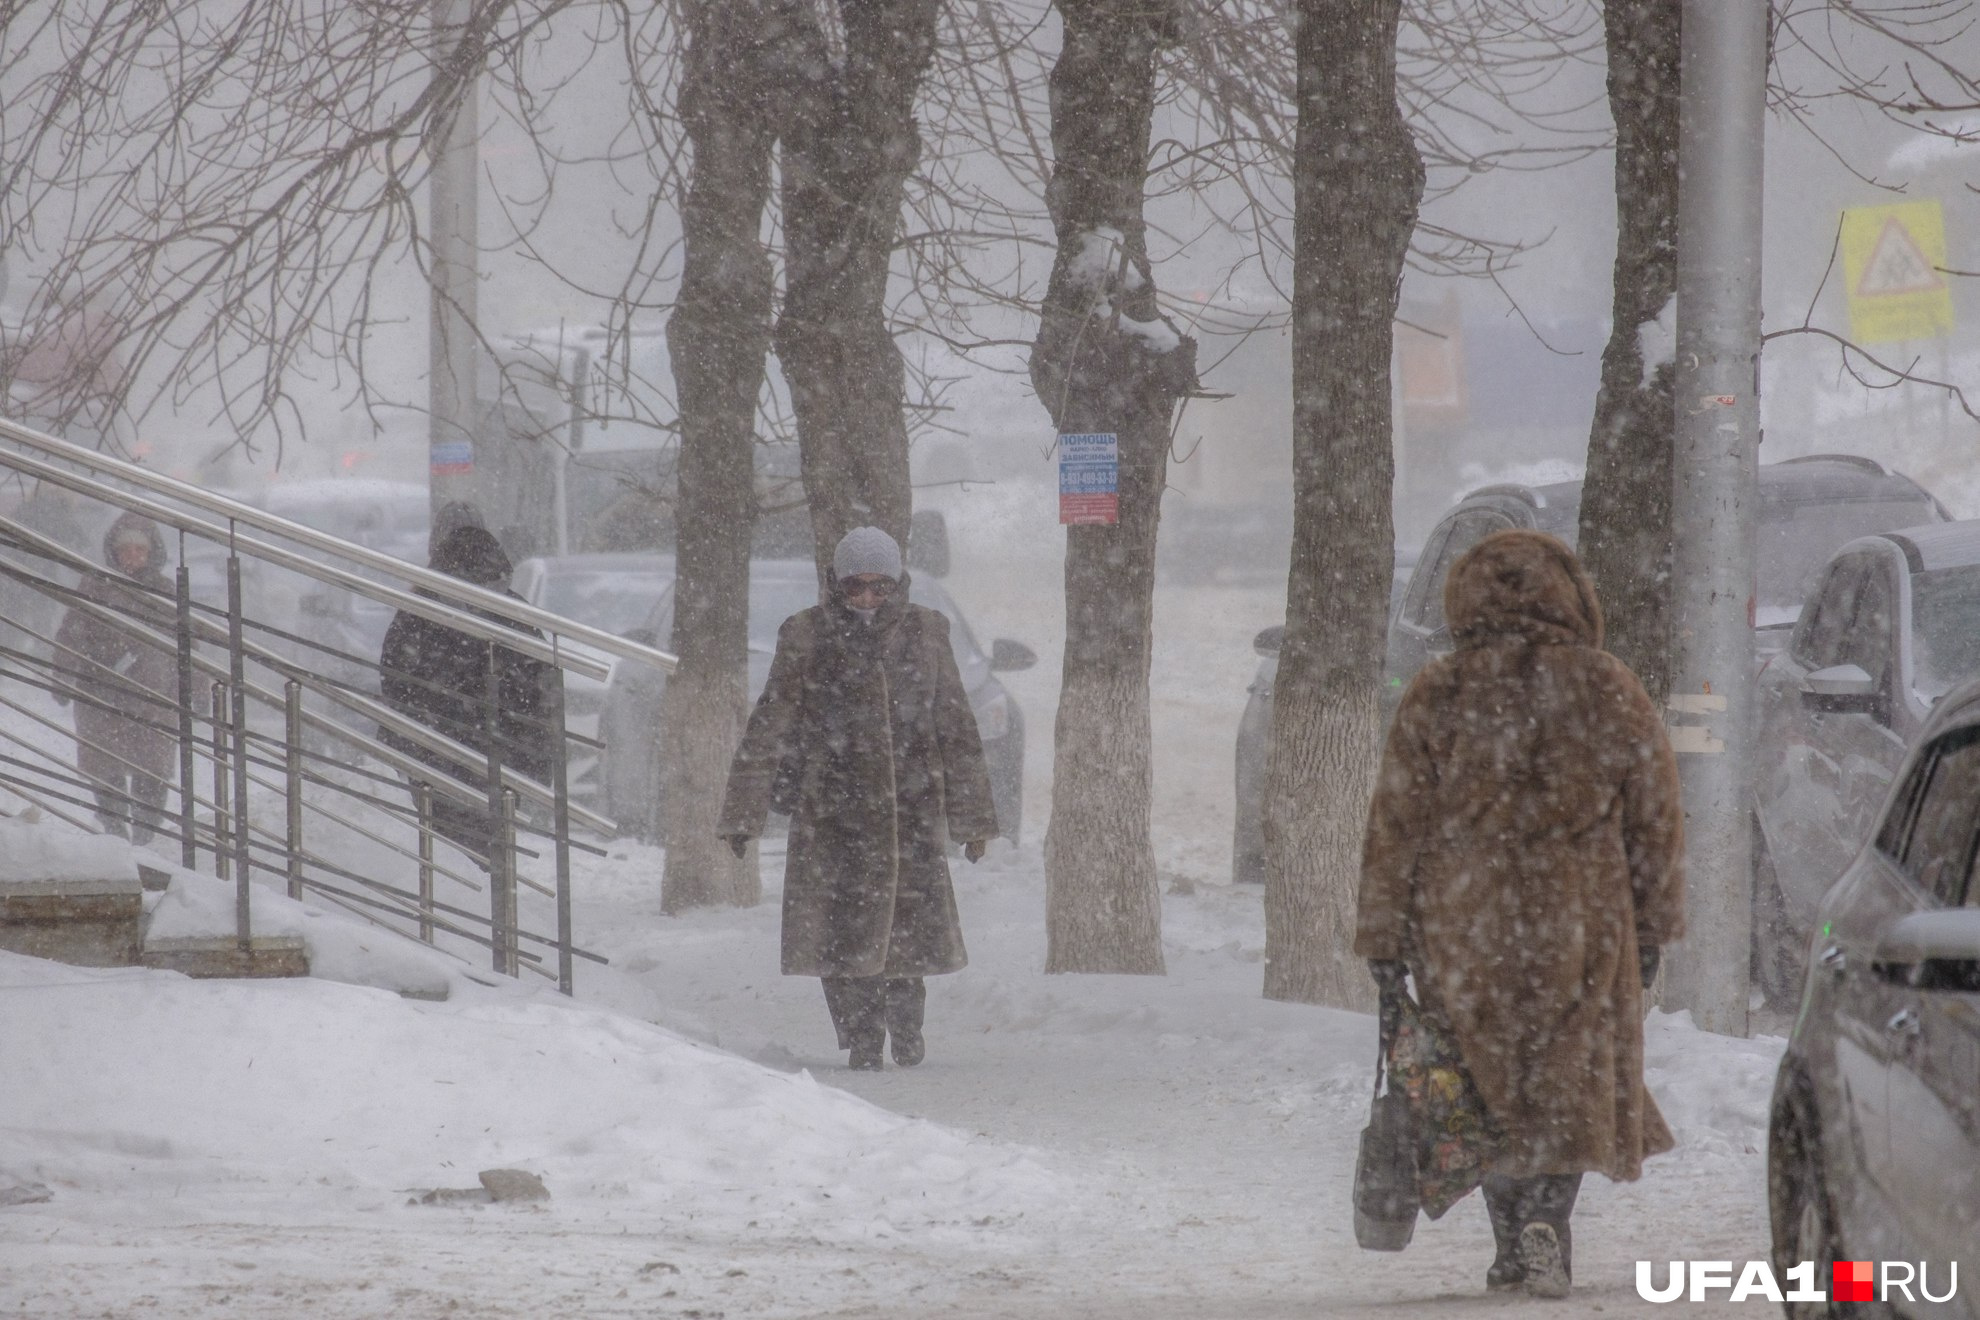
(124, 688)
(864, 735)
(1524, 860)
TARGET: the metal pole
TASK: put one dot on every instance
(237, 674)
(1720, 126)
(561, 807)
(501, 845)
(423, 809)
(454, 223)
(508, 950)
(293, 738)
(188, 753)
(221, 810)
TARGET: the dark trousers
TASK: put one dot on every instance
(1513, 1203)
(865, 1008)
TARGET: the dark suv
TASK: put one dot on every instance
(1808, 508)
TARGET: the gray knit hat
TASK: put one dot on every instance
(866, 550)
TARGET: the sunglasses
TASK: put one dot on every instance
(883, 587)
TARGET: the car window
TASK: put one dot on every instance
(1793, 541)
(1945, 629)
(1942, 804)
(1866, 642)
(1466, 530)
(1822, 633)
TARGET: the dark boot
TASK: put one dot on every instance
(907, 1000)
(866, 1047)
(858, 1005)
(1517, 1205)
(1543, 1260)
(1502, 1206)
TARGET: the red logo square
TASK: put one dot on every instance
(1853, 1281)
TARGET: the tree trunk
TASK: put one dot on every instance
(1105, 361)
(1357, 179)
(718, 338)
(1626, 499)
(850, 143)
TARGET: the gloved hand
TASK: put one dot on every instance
(973, 850)
(1389, 973)
(1648, 957)
(738, 843)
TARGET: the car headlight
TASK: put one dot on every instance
(993, 717)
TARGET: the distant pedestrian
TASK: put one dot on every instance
(1524, 865)
(865, 737)
(438, 675)
(124, 687)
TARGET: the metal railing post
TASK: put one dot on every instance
(188, 753)
(509, 944)
(292, 693)
(237, 673)
(423, 809)
(222, 809)
(561, 807)
(501, 843)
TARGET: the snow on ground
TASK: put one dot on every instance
(1075, 1146)
(1099, 1146)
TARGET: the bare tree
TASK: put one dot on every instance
(1106, 361)
(1357, 181)
(850, 143)
(719, 337)
(1626, 531)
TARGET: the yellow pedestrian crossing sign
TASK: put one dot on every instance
(1894, 270)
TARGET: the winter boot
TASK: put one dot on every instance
(1502, 1207)
(1541, 1258)
(907, 1001)
(866, 1047)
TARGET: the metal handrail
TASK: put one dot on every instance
(379, 713)
(441, 585)
(240, 845)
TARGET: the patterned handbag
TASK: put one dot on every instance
(1456, 1138)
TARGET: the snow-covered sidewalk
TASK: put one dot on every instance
(1074, 1146)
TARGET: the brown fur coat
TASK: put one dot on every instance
(1525, 838)
(865, 735)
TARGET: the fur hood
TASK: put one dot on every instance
(135, 524)
(1524, 585)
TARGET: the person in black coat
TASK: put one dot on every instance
(440, 677)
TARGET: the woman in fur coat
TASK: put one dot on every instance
(1523, 864)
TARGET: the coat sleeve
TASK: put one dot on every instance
(1653, 826)
(770, 737)
(967, 800)
(1395, 832)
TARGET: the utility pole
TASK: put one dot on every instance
(453, 222)
(1721, 119)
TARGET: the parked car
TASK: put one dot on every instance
(779, 588)
(1808, 507)
(612, 592)
(1873, 1148)
(1893, 625)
